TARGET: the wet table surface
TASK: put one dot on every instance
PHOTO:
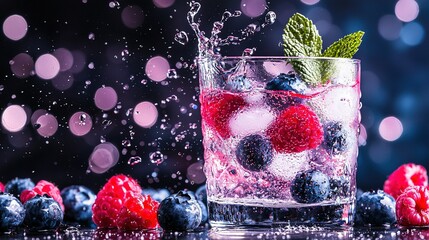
(205, 233)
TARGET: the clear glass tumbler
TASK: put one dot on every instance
(280, 145)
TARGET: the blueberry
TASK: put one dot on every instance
(12, 212)
(204, 212)
(237, 84)
(156, 194)
(286, 82)
(339, 187)
(17, 185)
(375, 208)
(78, 201)
(335, 138)
(311, 186)
(201, 194)
(254, 152)
(179, 212)
(42, 213)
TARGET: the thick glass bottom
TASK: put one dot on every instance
(225, 215)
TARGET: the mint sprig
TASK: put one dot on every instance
(301, 39)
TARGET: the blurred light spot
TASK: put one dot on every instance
(163, 3)
(362, 135)
(79, 61)
(389, 27)
(105, 98)
(132, 16)
(22, 65)
(47, 125)
(80, 123)
(65, 58)
(253, 8)
(157, 68)
(412, 34)
(15, 27)
(37, 114)
(406, 10)
(310, 2)
(103, 157)
(47, 66)
(195, 173)
(14, 118)
(145, 114)
(390, 129)
(63, 81)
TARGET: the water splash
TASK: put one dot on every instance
(181, 37)
(134, 160)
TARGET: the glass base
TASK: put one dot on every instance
(223, 215)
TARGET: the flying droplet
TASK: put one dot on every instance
(134, 160)
(156, 157)
(181, 37)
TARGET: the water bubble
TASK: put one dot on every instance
(106, 123)
(172, 73)
(91, 65)
(102, 139)
(143, 81)
(1, 88)
(181, 37)
(156, 157)
(129, 112)
(134, 160)
(270, 18)
(114, 4)
(82, 118)
(126, 143)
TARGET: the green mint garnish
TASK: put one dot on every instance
(301, 39)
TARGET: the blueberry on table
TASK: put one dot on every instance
(179, 212)
(78, 201)
(42, 213)
(12, 212)
(310, 186)
(335, 138)
(375, 208)
(254, 152)
(17, 185)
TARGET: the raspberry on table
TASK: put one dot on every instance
(375, 208)
(138, 212)
(42, 213)
(412, 207)
(217, 108)
(17, 185)
(406, 175)
(110, 199)
(12, 212)
(296, 129)
(43, 187)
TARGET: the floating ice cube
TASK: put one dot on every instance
(286, 166)
(344, 72)
(251, 120)
(337, 104)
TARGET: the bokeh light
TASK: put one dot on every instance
(412, 34)
(310, 2)
(22, 65)
(157, 68)
(64, 57)
(145, 114)
(15, 27)
(406, 10)
(14, 118)
(132, 16)
(47, 66)
(80, 123)
(103, 157)
(79, 61)
(47, 125)
(36, 114)
(163, 3)
(105, 98)
(253, 8)
(390, 128)
(389, 27)
(195, 173)
(63, 81)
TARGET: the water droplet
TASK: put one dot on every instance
(91, 65)
(114, 4)
(248, 52)
(91, 36)
(126, 143)
(172, 73)
(156, 157)
(134, 160)
(270, 18)
(1, 88)
(181, 37)
(102, 139)
(143, 81)
(106, 123)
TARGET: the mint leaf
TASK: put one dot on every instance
(346, 47)
(301, 39)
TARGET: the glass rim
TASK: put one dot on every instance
(352, 60)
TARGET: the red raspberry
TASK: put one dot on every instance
(296, 129)
(110, 199)
(406, 175)
(218, 107)
(41, 188)
(412, 207)
(1, 187)
(137, 213)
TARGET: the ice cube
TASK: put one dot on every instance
(337, 104)
(286, 166)
(251, 120)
